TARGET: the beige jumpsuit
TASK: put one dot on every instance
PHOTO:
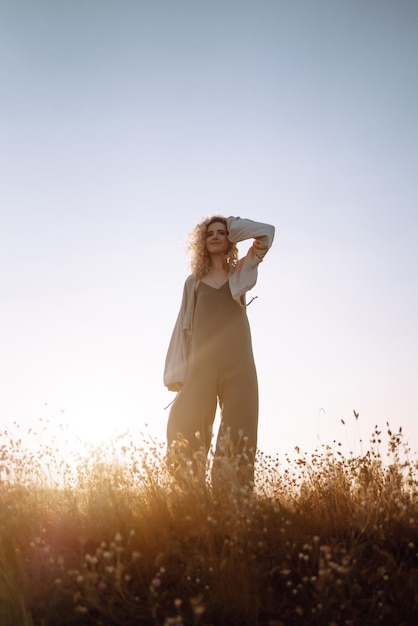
(221, 368)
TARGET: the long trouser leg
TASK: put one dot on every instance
(237, 438)
(189, 427)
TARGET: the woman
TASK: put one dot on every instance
(210, 356)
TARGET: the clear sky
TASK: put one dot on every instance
(124, 122)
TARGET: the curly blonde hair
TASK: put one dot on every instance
(199, 255)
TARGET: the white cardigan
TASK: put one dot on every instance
(241, 280)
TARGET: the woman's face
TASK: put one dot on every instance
(217, 238)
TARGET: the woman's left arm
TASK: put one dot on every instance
(240, 229)
(244, 276)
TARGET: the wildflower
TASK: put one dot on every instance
(197, 605)
(173, 621)
(81, 609)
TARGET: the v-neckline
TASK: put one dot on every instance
(212, 287)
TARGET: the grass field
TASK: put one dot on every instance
(326, 539)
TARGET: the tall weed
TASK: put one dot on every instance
(112, 538)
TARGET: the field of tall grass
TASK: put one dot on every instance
(113, 539)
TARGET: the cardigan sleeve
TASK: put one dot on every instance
(245, 275)
(176, 359)
(240, 229)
